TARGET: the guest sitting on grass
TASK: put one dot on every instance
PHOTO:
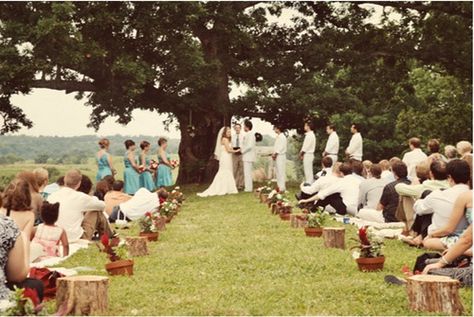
(464, 148)
(42, 179)
(357, 170)
(326, 177)
(101, 189)
(326, 164)
(367, 164)
(370, 190)
(115, 197)
(36, 198)
(54, 187)
(450, 152)
(48, 236)
(388, 204)
(142, 202)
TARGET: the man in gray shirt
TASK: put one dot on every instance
(370, 190)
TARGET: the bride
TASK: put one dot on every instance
(223, 182)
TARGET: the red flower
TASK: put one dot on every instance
(31, 294)
(148, 214)
(363, 236)
(105, 240)
(279, 203)
(162, 200)
(277, 189)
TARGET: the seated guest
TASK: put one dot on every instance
(42, 179)
(48, 236)
(54, 187)
(433, 149)
(14, 265)
(370, 190)
(464, 148)
(341, 195)
(433, 212)
(115, 197)
(142, 202)
(36, 198)
(321, 183)
(437, 180)
(367, 164)
(388, 204)
(326, 164)
(73, 206)
(448, 235)
(101, 189)
(450, 152)
(357, 170)
(414, 157)
(386, 172)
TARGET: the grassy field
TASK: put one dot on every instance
(230, 256)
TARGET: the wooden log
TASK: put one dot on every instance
(298, 221)
(434, 293)
(334, 238)
(137, 246)
(82, 295)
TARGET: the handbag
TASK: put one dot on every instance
(48, 278)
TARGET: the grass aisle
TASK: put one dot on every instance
(230, 256)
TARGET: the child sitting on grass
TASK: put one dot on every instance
(47, 235)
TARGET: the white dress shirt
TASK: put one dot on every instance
(412, 159)
(320, 184)
(236, 136)
(280, 144)
(388, 175)
(142, 202)
(72, 206)
(348, 187)
(332, 145)
(440, 203)
(370, 191)
(309, 143)
(328, 171)
(355, 146)
(249, 153)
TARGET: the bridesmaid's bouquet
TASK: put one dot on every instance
(141, 168)
(174, 163)
(153, 165)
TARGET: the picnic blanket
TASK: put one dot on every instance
(53, 261)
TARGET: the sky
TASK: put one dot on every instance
(55, 113)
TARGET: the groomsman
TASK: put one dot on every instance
(307, 152)
(249, 154)
(279, 156)
(332, 145)
(238, 164)
(354, 150)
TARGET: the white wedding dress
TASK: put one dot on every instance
(224, 182)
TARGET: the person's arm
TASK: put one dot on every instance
(454, 219)
(29, 226)
(17, 267)
(111, 165)
(350, 149)
(65, 243)
(131, 158)
(384, 199)
(332, 189)
(228, 147)
(92, 203)
(164, 159)
(306, 144)
(459, 248)
(409, 190)
(423, 206)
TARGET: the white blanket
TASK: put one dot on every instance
(386, 230)
(52, 261)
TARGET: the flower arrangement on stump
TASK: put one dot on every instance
(369, 257)
(315, 222)
(22, 302)
(176, 196)
(149, 224)
(168, 210)
(119, 264)
(264, 191)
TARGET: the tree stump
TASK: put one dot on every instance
(82, 295)
(434, 293)
(298, 221)
(137, 246)
(161, 224)
(334, 238)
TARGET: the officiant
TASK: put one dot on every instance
(238, 164)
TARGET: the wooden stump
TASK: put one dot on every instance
(137, 246)
(334, 238)
(434, 293)
(161, 225)
(82, 295)
(297, 222)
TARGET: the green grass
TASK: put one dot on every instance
(230, 256)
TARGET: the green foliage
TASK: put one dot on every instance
(317, 219)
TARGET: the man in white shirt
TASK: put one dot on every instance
(249, 155)
(307, 152)
(354, 150)
(343, 195)
(327, 167)
(279, 156)
(322, 182)
(237, 141)
(142, 202)
(332, 145)
(73, 205)
(370, 189)
(414, 157)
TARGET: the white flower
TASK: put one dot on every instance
(279, 196)
(5, 304)
(355, 255)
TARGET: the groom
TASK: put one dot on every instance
(248, 154)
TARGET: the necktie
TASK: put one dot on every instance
(237, 141)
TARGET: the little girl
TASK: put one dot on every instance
(48, 235)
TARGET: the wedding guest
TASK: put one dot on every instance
(307, 152)
(450, 152)
(357, 170)
(115, 197)
(237, 162)
(433, 148)
(370, 190)
(136, 207)
(164, 177)
(101, 189)
(279, 156)
(463, 148)
(73, 206)
(104, 160)
(131, 174)
(321, 183)
(355, 148)
(414, 157)
(36, 198)
(386, 172)
(435, 179)
(366, 172)
(249, 155)
(146, 178)
(42, 179)
(387, 206)
(326, 164)
(53, 187)
(332, 145)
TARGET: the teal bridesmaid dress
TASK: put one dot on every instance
(131, 177)
(104, 167)
(146, 179)
(164, 177)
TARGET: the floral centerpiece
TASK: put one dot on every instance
(168, 210)
(315, 222)
(149, 224)
(369, 256)
(177, 196)
(117, 255)
(22, 302)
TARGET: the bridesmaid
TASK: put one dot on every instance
(146, 179)
(104, 160)
(163, 177)
(131, 174)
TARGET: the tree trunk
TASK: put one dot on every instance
(137, 246)
(334, 238)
